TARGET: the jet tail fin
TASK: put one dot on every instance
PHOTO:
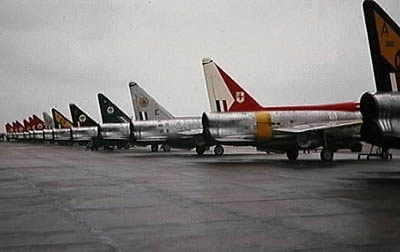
(19, 127)
(60, 120)
(38, 123)
(48, 121)
(9, 128)
(27, 125)
(111, 113)
(224, 93)
(384, 44)
(80, 118)
(145, 106)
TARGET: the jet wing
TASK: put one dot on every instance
(241, 139)
(155, 139)
(318, 126)
(190, 133)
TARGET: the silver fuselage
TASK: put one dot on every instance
(38, 135)
(279, 129)
(178, 132)
(84, 134)
(115, 131)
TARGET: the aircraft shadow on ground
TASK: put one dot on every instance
(282, 162)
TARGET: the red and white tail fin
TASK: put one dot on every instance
(9, 128)
(27, 125)
(38, 123)
(224, 93)
(19, 127)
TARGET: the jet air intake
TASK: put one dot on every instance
(381, 119)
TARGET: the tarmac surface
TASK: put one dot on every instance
(57, 198)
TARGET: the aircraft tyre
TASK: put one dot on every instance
(119, 147)
(385, 155)
(200, 150)
(127, 146)
(218, 150)
(110, 147)
(292, 154)
(327, 155)
(154, 147)
(167, 148)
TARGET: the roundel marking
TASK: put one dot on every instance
(143, 102)
(39, 126)
(110, 110)
(82, 118)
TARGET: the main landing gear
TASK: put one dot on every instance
(292, 154)
(154, 147)
(166, 148)
(218, 150)
(327, 155)
(383, 153)
(200, 150)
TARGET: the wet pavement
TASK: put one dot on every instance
(55, 198)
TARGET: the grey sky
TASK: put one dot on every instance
(282, 52)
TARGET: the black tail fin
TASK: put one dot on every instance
(60, 120)
(384, 43)
(110, 113)
(80, 118)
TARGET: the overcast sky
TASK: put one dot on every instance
(282, 52)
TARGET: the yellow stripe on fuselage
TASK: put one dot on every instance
(263, 126)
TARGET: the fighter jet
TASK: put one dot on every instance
(381, 110)
(84, 129)
(62, 128)
(282, 129)
(158, 126)
(9, 131)
(116, 127)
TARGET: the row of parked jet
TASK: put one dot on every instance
(237, 119)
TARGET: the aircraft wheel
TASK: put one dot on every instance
(167, 148)
(292, 154)
(154, 147)
(200, 150)
(218, 150)
(110, 147)
(119, 147)
(127, 146)
(327, 155)
(385, 155)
